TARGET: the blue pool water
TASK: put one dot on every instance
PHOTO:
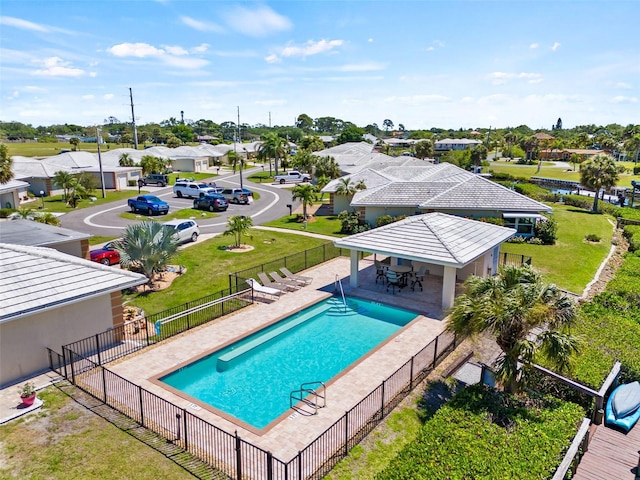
(252, 378)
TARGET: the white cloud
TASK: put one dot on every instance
(306, 50)
(624, 99)
(257, 22)
(533, 46)
(108, 96)
(501, 78)
(203, 47)
(23, 24)
(56, 67)
(87, 97)
(174, 56)
(418, 99)
(200, 25)
(370, 40)
(623, 85)
(555, 46)
(361, 67)
(139, 50)
(435, 45)
(176, 50)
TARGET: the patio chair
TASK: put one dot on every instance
(267, 282)
(380, 272)
(394, 280)
(285, 281)
(293, 276)
(262, 289)
(419, 277)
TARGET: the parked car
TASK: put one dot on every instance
(237, 195)
(107, 255)
(156, 179)
(186, 230)
(292, 177)
(212, 202)
(148, 204)
(191, 189)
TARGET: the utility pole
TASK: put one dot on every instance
(104, 193)
(133, 122)
(234, 148)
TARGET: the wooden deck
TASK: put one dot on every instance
(612, 455)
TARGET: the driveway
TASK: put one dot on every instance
(105, 220)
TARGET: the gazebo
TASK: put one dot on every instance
(451, 247)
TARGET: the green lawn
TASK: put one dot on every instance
(209, 265)
(572, 262)
(65, 440)
(56, 204)
(325, 225)
(528, 171)
(182, 213)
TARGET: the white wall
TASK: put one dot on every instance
(23, 341)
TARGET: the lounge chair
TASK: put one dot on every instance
(274, 292)
(267, 282)
(295, 276)
(285, 281)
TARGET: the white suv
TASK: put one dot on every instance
(292, 177)
(184, 229)
(191, 189)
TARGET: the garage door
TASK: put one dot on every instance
(122, 181)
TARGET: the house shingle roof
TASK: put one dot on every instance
(435, 238)
(36, 279)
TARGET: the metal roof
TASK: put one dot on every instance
(435, 238)
(36, 279)
(29, 232)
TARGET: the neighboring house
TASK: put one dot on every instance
(13, 194)
(411, 190)
(50, 299)
(400, 143)
(447, 144)
(35, 234)
(566, 153)
(448, 246)
(354, 156)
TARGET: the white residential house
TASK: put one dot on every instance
(447, 144)
(51, 299)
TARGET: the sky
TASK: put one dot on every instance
(420, 63)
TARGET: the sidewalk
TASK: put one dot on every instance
(10, 404)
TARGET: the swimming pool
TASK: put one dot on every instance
(252, 378)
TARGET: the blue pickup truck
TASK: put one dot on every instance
(148, 204)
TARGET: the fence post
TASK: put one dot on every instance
(411, 374)
(98, 348)
(269, 466)
(346, 433)
(178, 425)
(64, 361)
(238, 457)
(73, 370)
(104, 384)
(435, 352)
(146, 329)
(299, 465)
(382, 409)
(184, 426)
(141, 406)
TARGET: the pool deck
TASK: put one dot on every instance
(294, 431)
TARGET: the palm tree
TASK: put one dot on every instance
(63, 180)
(327, 167)
(526, 316)
(274, 147)
(6, 163)
(125, 160)
(234, 159)
(306, 193)
(597, 173)
(147, 247)
(346, 187)
(238, 226)
(74, 141)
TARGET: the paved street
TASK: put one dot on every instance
(105, 220)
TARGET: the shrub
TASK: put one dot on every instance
(546, 231)
(131, 183)
(5, 212)
(351, 223)
(531, 190)
(384, 220)
(535, 241)
(517, 240)
(492, 220)
(632, 234)
(636, 170)
(592, 237)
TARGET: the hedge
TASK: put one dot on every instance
(632, 234)
(485, 434)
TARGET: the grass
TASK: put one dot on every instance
(571, 263)
(66, 440)
(208, 265)
(56, 204)
(528, 171)
(100, 239)
(325, 225)
(183, 213)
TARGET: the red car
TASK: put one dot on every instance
(107, 255)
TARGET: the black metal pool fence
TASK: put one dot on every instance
(228, 452)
